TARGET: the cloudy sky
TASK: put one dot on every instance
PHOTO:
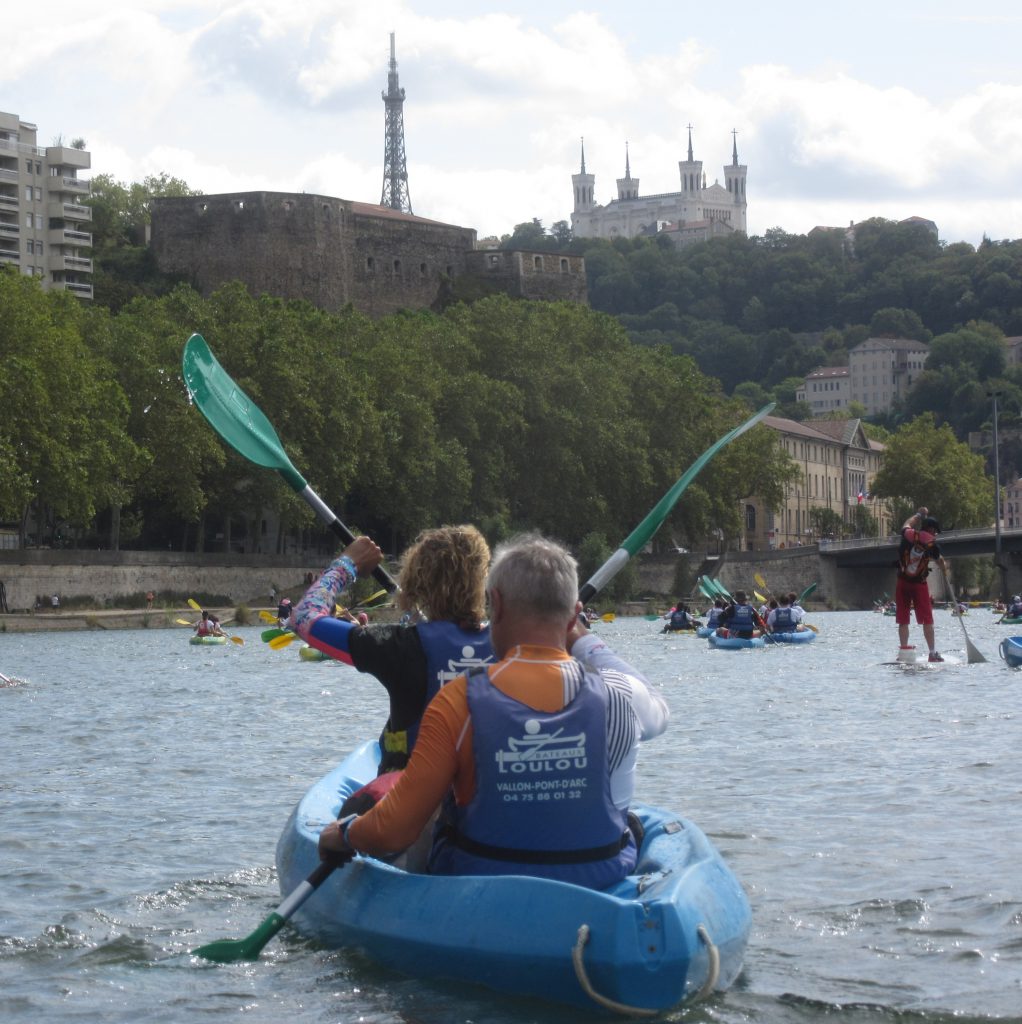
(893, 109)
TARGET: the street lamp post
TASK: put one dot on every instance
(997, 500)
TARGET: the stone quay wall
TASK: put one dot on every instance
(109, 577)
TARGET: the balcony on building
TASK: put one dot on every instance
(59, 261)
(80, 288)
(66, 184)
(9, 255)
(59, 210)
(10, 230)
(67, 236)
(65, 156)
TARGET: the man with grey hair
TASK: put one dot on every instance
(532, 757)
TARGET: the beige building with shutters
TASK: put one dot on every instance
(837, 462)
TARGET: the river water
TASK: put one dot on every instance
(873, 814)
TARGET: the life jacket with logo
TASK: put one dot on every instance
(784, 620)
(713, 617)
(743, 620)
(450, 652)
(542, 805)
(914, 555)
(680, 620)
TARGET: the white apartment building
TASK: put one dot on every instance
(883, 369)
(44, 226)
(826, 390)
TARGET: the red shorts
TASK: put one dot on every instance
(909, 594)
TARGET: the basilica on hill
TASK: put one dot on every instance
(693, 214)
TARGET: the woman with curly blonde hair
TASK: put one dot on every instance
(442, 589)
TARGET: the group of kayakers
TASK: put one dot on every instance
(738, 618)
(512, 727)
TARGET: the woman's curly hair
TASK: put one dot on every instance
(443, 574)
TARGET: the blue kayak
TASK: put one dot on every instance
(705, 631)
(675, 930)
(1011, 651)
(734, 643)
(806, 636)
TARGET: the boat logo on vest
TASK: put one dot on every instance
(542, 751)
(459, 666)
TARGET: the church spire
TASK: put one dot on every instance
(627, 187)
(690, 143)
(395, 169)
(734, 148)
(584, 185)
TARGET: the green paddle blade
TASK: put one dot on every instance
(232, 414)
(805, 593)
(228, 951)
(642, 533)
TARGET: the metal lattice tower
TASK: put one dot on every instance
(395, 169)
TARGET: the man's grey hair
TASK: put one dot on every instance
(536, 576)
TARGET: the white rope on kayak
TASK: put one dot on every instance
(578, 961)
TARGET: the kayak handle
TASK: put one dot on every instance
(578, 961)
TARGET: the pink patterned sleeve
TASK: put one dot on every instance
(320, 598)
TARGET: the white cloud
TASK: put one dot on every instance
(273, 94)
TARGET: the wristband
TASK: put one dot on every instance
(348, 566)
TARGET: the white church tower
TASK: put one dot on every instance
(691, 171)
(585, 186)
(734, 177)
(627, 187)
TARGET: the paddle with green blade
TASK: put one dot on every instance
(229, 950)
(241, 423)
(640, 536)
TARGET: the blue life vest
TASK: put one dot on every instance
(680, 620)
(742, 621)
(713, 617)
(542, 805)
(784, 620)
(450, 652)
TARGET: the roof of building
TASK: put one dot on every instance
(895, 344)
(828, 371)
(389, 213)
(842, 431)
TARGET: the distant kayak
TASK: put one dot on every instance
(307, 653)
(208, 641)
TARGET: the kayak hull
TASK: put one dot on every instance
(806, 636)
(1010, 650)
(307, 653)
(517, 934)
(735, 643)
(208, 641)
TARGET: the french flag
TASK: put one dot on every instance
(862, 497)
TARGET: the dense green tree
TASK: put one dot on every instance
(64, 432)
(924, 464)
